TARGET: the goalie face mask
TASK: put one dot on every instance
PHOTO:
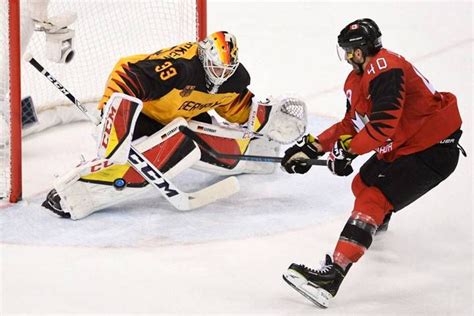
(219, 56)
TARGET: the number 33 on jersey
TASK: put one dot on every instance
(172, 83)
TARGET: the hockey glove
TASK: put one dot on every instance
(294, 159)
(340, 159)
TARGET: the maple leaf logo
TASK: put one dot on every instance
(359, 121)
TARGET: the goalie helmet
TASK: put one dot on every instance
(219, 56)
(363, 34)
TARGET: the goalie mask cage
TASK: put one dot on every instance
(105, 31)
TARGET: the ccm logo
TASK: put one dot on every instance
(108, 127)
(101, 165)
(150, 174)
(57, 84)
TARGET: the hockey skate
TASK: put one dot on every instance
(318, 286)
(53, 204)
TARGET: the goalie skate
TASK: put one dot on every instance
(53, 203)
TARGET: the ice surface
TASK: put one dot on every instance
(227, 258)
(264, 206)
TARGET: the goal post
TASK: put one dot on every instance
(98, 33)
(10, 109)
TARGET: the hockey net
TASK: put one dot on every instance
(105, 30)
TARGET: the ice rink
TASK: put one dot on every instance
(143, 257)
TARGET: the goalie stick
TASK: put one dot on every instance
(180, 200)
(204, 145)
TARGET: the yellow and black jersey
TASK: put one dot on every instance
(171, 83)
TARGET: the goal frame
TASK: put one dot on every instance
(14, 43)
(15, 100)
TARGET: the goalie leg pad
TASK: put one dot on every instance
(118, 123)
(260, 147)
(223, 167)
(79, 198)
(100, 183)
(233, 141)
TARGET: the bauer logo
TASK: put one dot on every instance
(385, 149)
(448, 141)
(150, 174)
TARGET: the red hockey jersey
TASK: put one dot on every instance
(393, 109)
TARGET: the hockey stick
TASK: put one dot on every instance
(223, 131)
(204, 145)
(180, 200)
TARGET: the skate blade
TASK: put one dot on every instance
(316, 295)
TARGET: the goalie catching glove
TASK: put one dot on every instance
(340, 158)
(281, 119)
(294, 159)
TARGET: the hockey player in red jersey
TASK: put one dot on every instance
(394, 110)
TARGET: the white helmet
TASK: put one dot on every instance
(218, 54)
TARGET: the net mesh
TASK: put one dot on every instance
(105, 31)
(294, 107)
